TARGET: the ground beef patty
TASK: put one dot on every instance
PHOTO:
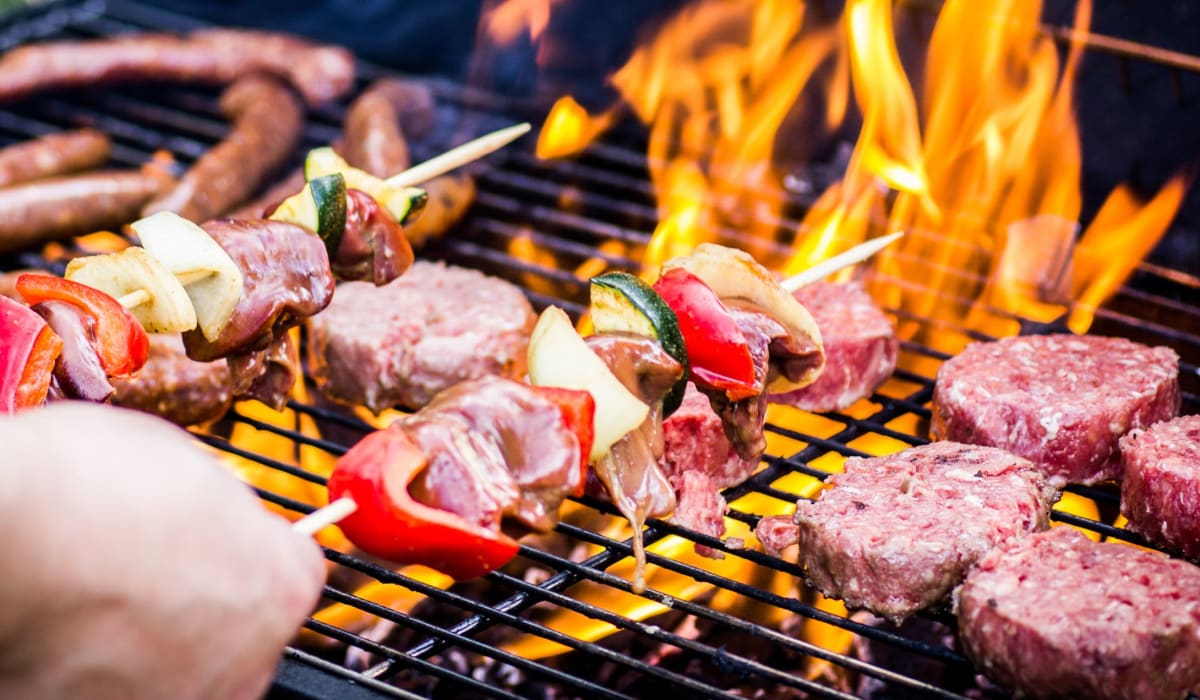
(895, 534)
(1160, 490)
(1061, 401)
(1056, 615)
(860, 347)
(402, 343)
(700, 461)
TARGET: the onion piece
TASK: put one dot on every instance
(168, 309)
(214, 282)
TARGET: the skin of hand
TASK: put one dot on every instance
(135, 566)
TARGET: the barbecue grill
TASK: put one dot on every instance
(715, 637)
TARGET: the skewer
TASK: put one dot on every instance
(469, 151)
(140, 296)
(853, 256)
(324, 516)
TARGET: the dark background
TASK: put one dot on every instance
(1140, 122)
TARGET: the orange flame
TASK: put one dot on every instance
(511, 18)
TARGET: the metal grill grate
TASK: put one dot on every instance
(569, 209)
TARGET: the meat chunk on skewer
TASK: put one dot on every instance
(1061, 401)
(267, 123)
(285, 279)
(1160, 490)
(700, 461)
(860, 343)
(1056, 615)
(402, 343)
(896, 534)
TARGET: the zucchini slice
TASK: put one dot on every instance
(319, 207)
(559, 357)
(403, 203)
(622, 303)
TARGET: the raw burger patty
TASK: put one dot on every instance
(1056, 615)
(1061, 401)
(860, 347)
(895, 534)
(1160, 492)
(402, 343)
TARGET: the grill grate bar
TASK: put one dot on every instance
(482, 648)
(458, 679)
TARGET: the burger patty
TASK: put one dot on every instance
(1160, 491)
(402, 343)
(860, 347)
(1061, 401)
(895, 534)
(1056, 615)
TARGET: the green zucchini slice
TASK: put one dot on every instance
(320, 207)
(622, 303)
(403, 203)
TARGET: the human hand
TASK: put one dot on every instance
(136, 567)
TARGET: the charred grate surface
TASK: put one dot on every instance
(729, 635)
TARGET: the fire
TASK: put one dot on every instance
(511, 18)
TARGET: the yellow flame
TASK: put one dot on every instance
(1123, 232)
(569, 129)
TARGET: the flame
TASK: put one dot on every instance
(569, 129)
(1123, 232)
(511, 18)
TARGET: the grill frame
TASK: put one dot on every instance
(514, 190)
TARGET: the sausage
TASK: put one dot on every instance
(319, 72)
(53, 154)
(271, 198)
(375, 128)
(38, 212)
(175, 387)
(449, 198)
(377, 121)
(267, 125)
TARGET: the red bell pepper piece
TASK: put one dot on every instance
(716, 347)
(28, 349)
(579, 411)
(389, 523)
(120, 343)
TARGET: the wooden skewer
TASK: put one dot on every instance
(140, 296)
(325, 516)
(469, 151)
(853, 256)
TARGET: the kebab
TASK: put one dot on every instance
(185, 278)
(631, 370)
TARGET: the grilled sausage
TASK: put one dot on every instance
(175, 387)
(267, 124)
(265, 203)
(449, 198)
(375, 129)
(377, 121)
(38, 212)
(216, 56)
(52, 154)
